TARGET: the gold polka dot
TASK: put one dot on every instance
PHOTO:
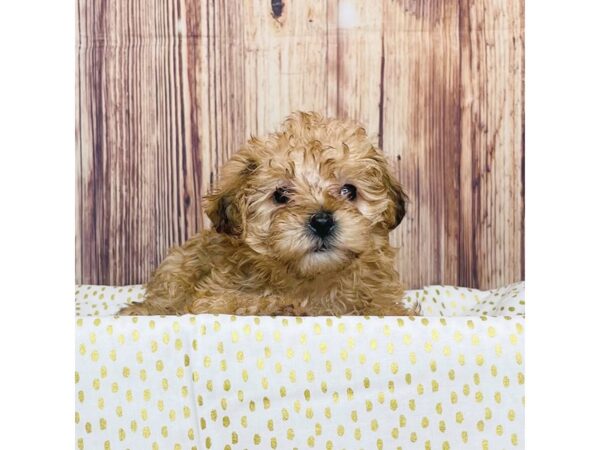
(513, 439)
(402, 421)
(442, 426)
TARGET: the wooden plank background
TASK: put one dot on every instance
(168, 89)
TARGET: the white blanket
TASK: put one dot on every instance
(453, 379)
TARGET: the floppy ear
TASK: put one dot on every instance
(226, 206)
(397, 209)
(223, 211)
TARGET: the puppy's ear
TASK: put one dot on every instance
(226, 206)
(397, 209)
(223, 211)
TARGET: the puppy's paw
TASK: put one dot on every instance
(392, 309)
(135, 309)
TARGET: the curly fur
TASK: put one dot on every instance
(260, 258)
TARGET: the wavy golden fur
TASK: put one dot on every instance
(262, 258)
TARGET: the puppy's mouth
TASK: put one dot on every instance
(324, 245)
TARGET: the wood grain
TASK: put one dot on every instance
(421, 117)
(168, 90)
(492, 143)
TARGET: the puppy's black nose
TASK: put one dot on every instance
(321, 223)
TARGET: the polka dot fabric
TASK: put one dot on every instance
(454, 379)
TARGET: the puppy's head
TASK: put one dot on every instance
(312, 197)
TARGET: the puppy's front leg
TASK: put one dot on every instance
(392, 309)
(135, 309)
(152, 306)
(239, 303)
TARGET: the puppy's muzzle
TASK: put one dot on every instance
(321, 224)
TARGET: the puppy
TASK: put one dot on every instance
(301, 220)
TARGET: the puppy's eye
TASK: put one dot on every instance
(348, 191)
(281, 196)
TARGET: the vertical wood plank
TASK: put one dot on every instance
(492, 145)
(285, 61)
(354, 61)
(215, 75)
(421, 133)
(136, 177)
